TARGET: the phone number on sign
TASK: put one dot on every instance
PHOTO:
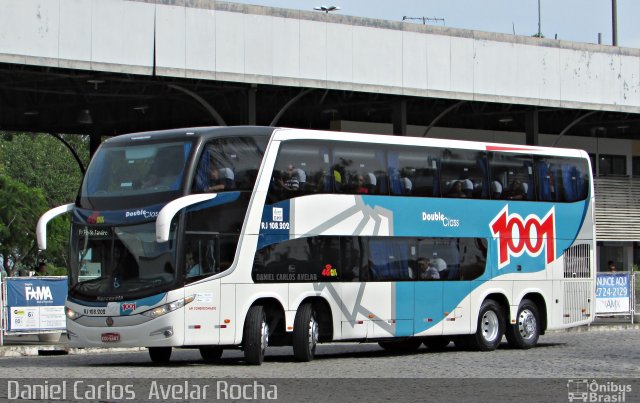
(611, 292)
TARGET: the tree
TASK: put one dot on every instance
(37, 172)
(20, 209)
(42, 161)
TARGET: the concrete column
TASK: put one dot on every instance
(251, 105)
(532, 128)
(400, 118)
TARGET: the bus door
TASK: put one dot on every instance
(201, 261)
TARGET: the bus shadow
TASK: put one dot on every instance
(238, 360)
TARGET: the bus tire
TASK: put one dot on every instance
(436, 342)
(407, 345)
(525, 332)
(491, 324)
(211, 354)
(160, 355)
(305, 333)
(256, 335)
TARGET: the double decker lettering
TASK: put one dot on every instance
(516, 235)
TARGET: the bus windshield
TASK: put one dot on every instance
(139, 171)
(116, 261)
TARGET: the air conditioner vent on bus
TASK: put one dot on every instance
(577, 298)
(577, 261)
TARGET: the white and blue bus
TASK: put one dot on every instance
(248, 237)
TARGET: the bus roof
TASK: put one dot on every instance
(190, 132)
(290, 134)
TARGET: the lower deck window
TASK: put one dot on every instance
(322, 259)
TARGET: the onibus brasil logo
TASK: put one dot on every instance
(516, 235)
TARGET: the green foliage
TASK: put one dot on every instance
(37, 172)
(44, 162)
(19, 212)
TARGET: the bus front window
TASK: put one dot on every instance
(120, 261)
(134, 175)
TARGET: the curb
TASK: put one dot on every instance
(48, 350)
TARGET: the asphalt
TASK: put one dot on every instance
(22, 345)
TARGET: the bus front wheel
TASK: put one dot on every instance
(160, 355)
(256, 335)
(305, 333)
(525, 333)
(491, 324)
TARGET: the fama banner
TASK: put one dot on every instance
(36, 304)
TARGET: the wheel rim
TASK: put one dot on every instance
(313, 333)
(264, 340)
(527, 325)
(490, 326)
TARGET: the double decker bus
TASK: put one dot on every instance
(249, 237)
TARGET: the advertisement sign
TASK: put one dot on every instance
(36, 303)
(613, 293)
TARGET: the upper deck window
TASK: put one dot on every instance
(229, 164)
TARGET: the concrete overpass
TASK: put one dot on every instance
(110, 66)
(104, 67)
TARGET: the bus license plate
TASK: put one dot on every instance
(110, 337)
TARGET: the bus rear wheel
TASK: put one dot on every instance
(525, 332)
(160, 355)
(491, 324)
(305, 333)
(256, 335)
(211, 354)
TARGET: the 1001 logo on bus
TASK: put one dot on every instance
(516, 235)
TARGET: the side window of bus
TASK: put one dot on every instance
(244, 156)
(390, 258)
(201, 255)
(511, 176)
(215, 171)
(464, 174)
(561, 179)
(301, 168)
(309, 259)
(438, 259)
(229, 164)
(359, 170)
(473, 257)
(414, 171)
(355, 259)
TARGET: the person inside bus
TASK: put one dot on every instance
(516, 191)
(193, 269)
(359, 185)
(457, 190)
(219, 179)
(289, 179)
(427, 271)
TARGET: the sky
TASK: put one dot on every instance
(574, 20)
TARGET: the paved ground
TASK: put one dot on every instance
(349, 372)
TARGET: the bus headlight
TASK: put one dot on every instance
(71, 314)
(166, 308)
